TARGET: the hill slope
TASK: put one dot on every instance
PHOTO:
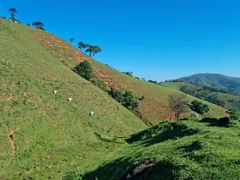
(224, 99)
(231, 84)
(42, 133)
(170, 150)
(154, 108)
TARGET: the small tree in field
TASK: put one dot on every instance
(84, 69)
(178, 103)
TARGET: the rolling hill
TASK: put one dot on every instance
(221, 98)
(230, 84)
(154, 108)
(42, 135)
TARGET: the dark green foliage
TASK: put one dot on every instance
(28, 24)
(233, 114)
(126, 98)
(3, 17)
(72, 176)
(129, 73)
(82, 45)
(92, 50)
(234, 117)
(151, 81)
(213, 95)
(38, 25)
(100, 84)
(218, 81)
(84, 69)
(199, 107)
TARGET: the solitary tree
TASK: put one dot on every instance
(85, 70)
(38, 25)
(178, 103)
(13, 11)
(92, 50)
(72, 40)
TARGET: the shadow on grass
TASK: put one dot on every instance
(166, 132)
(210, 121)
(123, 170)
(196, 145)
(114, 140)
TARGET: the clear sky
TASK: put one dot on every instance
(155, 39)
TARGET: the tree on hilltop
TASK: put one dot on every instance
(38, 25)
(92, 50)
(13, 11)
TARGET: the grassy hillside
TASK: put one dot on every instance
(154, 108)
(42, 133)
(186, 150)
(230, 84)
(225, 100)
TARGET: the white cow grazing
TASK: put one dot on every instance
(69, 99)
(195, 115)
(92, 113)
(55, 92)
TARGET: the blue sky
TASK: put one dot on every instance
(155, 39)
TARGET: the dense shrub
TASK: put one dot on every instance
(126, 98)
(151, 81)
(199, 107)
(84, 69)
(129, 73)
(234, 117)
(100, 84)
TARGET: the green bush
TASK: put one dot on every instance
(84, 69)
(126, 98)
(199, 107)
(100, 84)
(234, 117)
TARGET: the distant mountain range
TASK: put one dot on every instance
(218, 81)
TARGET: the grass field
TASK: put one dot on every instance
(185, 150)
